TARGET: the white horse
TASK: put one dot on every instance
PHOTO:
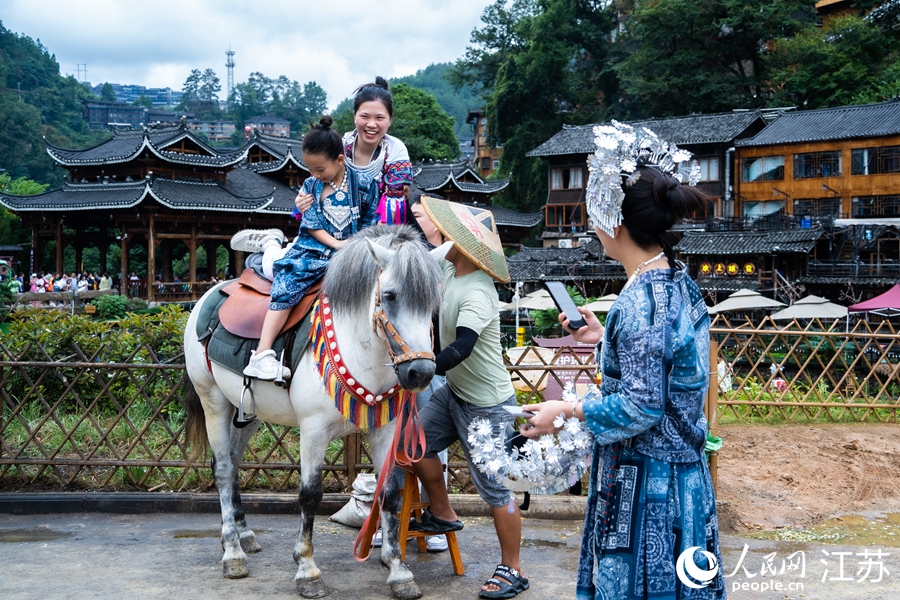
(381, 268)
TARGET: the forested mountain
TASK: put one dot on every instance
(457, 102)
(36, 101)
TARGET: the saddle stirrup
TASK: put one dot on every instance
(242, 419)
(279, 380)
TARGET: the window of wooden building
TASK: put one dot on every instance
(566, 179)
(873, 161)
(565, 215)
(709, 168)
(818, 207)
(818, 164)
(876, 206)
(762, 168)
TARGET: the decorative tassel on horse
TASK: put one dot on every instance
(362, 408)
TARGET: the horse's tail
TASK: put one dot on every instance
(195, 427)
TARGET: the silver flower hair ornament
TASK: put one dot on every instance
(546, 465)
(620, 150)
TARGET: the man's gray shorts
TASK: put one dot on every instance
(446, 419)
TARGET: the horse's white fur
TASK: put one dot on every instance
(310, 408)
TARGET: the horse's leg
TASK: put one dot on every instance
(314, 440)
(400, 578)
(223, 441)
(248, 538)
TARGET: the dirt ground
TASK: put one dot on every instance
(799, 475)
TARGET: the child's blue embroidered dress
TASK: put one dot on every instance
(651, 495)
(342, 214)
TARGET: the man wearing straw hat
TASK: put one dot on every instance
(478, 384)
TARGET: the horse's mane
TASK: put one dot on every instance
(352, 272)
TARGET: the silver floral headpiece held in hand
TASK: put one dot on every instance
(620, 150)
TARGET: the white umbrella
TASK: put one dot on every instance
(538, 293)
(812, 307)
(745, 300)
(524, 301)
(537, 302)
(602, 304)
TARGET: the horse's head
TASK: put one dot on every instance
(387, 272)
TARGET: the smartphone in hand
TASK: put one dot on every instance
(565, 304)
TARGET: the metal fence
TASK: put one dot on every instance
(76, 423)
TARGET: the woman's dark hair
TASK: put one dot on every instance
(653, 204)
(322, 139)
(369, 92)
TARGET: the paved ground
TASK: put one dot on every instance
(165, 555)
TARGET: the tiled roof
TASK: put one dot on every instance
(511, 218)
(433, 175)
(842, 123)
(796, 241)
(125, 146)
(542, 264)
(79, 196)
(244, 191)
(283, 202)
(859, 281)
(692, 129)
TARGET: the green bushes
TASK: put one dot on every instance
(111, 306)
(49, 336)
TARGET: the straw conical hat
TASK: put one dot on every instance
(474, 232)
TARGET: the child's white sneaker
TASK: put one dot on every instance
(254, 240)
(265, 366)
(436, 543)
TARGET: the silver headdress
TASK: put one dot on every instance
(620, 150)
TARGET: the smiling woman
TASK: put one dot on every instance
(382, 157)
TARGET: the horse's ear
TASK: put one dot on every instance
(381, 254)
(441, 251)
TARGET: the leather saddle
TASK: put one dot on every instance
(244, 311)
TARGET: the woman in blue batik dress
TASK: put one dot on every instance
(342, 203)
(651, 509)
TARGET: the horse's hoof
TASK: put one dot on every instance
(235, 568)
(407, 590)
(250, 545)
(312, 588)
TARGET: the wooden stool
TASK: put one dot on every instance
(411, 505)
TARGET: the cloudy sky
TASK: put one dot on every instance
(337, 43)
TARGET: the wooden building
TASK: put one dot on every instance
(159, 188)
(711, 138)
(839, 167)
(487, 155)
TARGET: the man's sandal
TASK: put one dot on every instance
(516, 584)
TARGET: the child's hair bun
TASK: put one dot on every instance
(381, 82)
(325, 122)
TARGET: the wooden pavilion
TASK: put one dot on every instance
(159, 188)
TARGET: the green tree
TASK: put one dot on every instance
(423, 125)
(107, 93)
(679, 57)
(456, 102)
(37, 103)
(11, 230)
(143, 100)
(209, 87)
(539, 64)
(843, 62)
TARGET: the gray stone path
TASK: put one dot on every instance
(166, 555)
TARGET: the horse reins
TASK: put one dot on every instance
(413, 437)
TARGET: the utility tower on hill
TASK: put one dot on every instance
(230, 64)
